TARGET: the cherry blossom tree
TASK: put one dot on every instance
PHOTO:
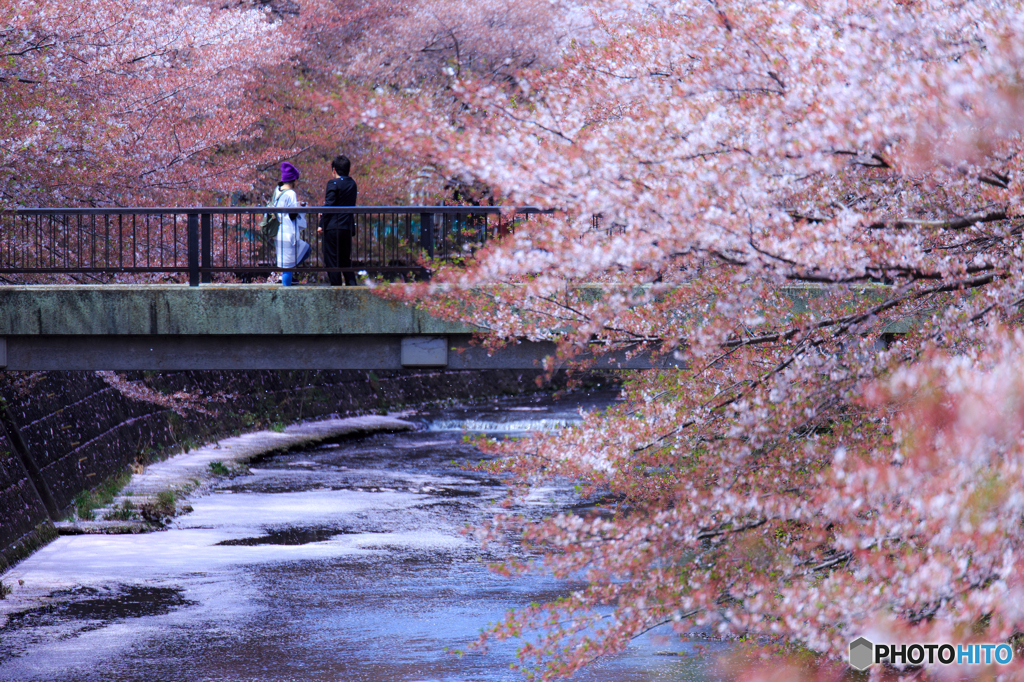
(155, 102)
(815, 208)
(420, 50)
(119, 103)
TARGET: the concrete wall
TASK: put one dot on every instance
(75, 430)
(22, 514)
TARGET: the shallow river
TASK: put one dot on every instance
(339, 563)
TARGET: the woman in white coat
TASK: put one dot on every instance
(291, 248)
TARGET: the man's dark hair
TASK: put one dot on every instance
(341, 164)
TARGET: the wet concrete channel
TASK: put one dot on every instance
(344, 561)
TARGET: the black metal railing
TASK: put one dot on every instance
(227, 244)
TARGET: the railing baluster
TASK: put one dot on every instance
(79, 256)
(174, 236)
(427, 233)
(205, 246)
(193, 249)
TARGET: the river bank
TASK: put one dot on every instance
(155, 494)
(168, 486)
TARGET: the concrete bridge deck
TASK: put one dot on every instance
(230, 326)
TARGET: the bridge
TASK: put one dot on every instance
(241, 326)
(70, 302)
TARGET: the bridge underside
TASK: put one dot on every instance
(265, 351)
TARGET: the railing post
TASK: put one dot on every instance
(427, 233)
(205, 244)
(193, 249)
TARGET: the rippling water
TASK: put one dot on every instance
(342, 562)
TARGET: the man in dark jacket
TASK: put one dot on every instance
(337, 228)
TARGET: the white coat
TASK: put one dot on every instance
(291, 249)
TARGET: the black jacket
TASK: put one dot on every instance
(340, 192)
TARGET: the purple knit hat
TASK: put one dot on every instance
(289, 173)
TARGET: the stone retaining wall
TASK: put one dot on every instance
(66, 432)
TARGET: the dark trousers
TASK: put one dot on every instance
(337, 247)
